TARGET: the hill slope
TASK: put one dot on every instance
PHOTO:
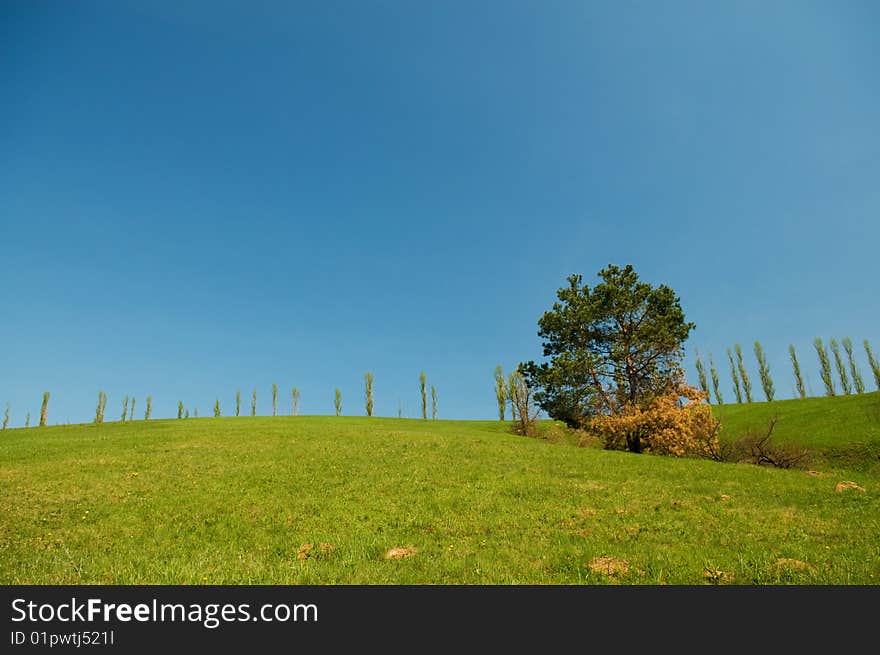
(239, 500)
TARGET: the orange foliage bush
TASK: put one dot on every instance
(678, 423)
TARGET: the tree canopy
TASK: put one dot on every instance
(614, 346)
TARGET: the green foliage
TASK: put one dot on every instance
(824, 366)
(500, 391)
(618, 344)
(294, 396)
(254, 403)
(875, 365)
(5, 417)
(399, 408)
(124, 408)
(841, 369)
(217, 408)
(433, 403)
(797, 371)
(701, 374)
(238, 402)
(27, 420)
(99, 410)
(274, 399)
(131, 413)
(743, 373)
(180, 409)
(424, 395)
(858, 382)
(44, 410)
(337, 402)
(716, 386)
(196, 412)
(368, 392)
(736, 387)
(149, 408)
(186, 414)
(512, 380)
(764, 372)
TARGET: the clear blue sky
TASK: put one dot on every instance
(197, 197)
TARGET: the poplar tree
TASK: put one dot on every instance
(131, 413)
(743, 373)
(149, 408)
(254, 403)
(701, 374)
(500, 391)
(875, 365)
(124, 408)
(337, 402)
(736, 388)
(399, 408)
(238, 403)
(509, 394)
(27, 420)
(423, 391)
(6, 416)
(824, 366)
(186, 414)
(99, 410)
(44, 410)
(799, 381)
(180, 409)
(433, 403)
(858, 382)
(368, 392)
(764, 372)
(841, 369)
(294, 395)
(274, 399)
(196, 412)
(716, 386)
(217, 408)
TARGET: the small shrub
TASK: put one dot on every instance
(759, 449)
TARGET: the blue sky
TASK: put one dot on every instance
(201, 197)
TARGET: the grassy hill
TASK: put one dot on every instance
(314, 500)
(842, 431)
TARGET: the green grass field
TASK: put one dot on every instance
(234, 501)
